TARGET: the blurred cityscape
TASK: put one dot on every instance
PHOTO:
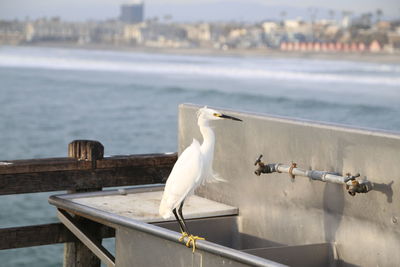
(367, 32)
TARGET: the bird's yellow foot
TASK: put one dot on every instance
(184, 234)
(192, 240)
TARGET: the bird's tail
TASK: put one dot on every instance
(215, 178)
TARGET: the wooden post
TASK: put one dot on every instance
(76, 254)
(86, 150)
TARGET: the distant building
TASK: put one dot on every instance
(270, 27)
(375, 47)
(132, 13)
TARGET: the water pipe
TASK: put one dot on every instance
(352, 184)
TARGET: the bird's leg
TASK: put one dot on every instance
(191, 238)
(181, 226)
(178, 220)
(183, 219)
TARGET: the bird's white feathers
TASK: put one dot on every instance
(213, 178)
(194, 165)
(184, 177)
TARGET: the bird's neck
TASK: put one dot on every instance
(208, 140)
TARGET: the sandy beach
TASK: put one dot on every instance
(382, 57)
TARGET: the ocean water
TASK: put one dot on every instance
(129, 102)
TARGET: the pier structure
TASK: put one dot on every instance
(321, 195)
(84, 170)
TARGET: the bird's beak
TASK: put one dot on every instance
(229, 117)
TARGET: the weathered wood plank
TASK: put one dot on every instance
(70, 164)
(137, 160)
(84, 179)
(43, 165)
(39, 235)
(142, 169)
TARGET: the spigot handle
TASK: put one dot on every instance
(258, 161)
(350, 177)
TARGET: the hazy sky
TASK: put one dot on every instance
(190, 10)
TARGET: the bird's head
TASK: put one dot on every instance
(206, 114)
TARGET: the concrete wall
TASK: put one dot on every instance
(275, 210)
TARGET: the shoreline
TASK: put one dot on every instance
(263, 53)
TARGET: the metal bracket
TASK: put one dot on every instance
(102, 253)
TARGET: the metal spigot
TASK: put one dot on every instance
(262, 167)
(354, 186)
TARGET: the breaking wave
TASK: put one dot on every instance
(210, 70)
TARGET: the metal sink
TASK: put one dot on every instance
(143, 238)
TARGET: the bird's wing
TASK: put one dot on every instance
(184, 176)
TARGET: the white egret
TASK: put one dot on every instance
(193, 167)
